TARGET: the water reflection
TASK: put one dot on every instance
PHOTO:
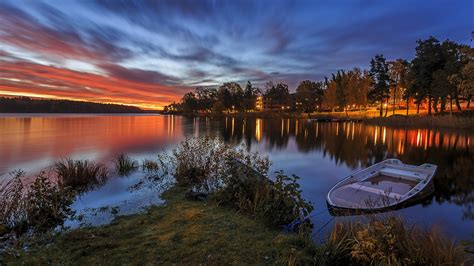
(357, 145)
(31, 143)
(321, 153)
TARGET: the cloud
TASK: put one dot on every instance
(26, 78)
(150, 52)
(138, 75)
(19, 29)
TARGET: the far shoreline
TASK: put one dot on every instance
(458, 120)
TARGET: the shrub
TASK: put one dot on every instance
(277, 203)
(47, 205)
(202, 163)
(150, 166)
(37, 208)
(390, 241)
(238, 178)
(80, 175)
(124, 164)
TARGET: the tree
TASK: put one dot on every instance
(309, 94)
(278, 94)
(231, 95)
(380, 86)
(341, 80)
(206, 97)
(189, 102)
(463, 80)
(428, 60)
(329, 99)
(250, 96)
(398, 71)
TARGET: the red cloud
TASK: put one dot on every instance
(26, 78)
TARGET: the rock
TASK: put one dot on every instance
(3, 230)
(193, 195)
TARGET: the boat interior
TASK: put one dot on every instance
(379, 188)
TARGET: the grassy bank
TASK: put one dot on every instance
(182, 231)
(464, 119)
(448, 121)
(200, 232)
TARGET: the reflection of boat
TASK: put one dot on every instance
(389, 184)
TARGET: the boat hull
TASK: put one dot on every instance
(387, 185)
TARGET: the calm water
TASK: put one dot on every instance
(320, 153)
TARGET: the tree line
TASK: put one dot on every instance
(440, 73)
(29, 105)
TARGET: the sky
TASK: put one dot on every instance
(149, 53)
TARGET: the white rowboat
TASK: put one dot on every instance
(384, 185)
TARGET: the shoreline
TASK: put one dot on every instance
(463, 120)
(199, 231)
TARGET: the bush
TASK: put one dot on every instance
(277, 203)
(47, 205)
(37, 208)
(389, 241)
(238, 178)
(124, 165)
(202, 163)
(80, 175)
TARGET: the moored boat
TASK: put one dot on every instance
(384, 185)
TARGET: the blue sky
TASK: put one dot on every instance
(148, 53)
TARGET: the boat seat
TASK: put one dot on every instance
(376, 191)
(399, 173)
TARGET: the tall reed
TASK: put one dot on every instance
(124, 164)
(80, 175)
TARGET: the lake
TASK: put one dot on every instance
(320, 153)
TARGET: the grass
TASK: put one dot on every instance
(80, 175)
(124, 164)
(182, 231)
(200, 232)
(390, 241)
(446, 120)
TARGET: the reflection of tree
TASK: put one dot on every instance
(457, 184)
(358, 145)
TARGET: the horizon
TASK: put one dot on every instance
(148, 54)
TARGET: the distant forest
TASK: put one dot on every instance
(29, 105)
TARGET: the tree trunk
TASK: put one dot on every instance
(386, 109)
(443, 104)
(418, 108)
(458, 105)
(450, 105)
(381, 107)
(408, 105)
(394, 101)
(468, 101)
(429, 105)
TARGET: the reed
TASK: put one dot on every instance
(80, 175)
(125, 165)
(150, 166)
